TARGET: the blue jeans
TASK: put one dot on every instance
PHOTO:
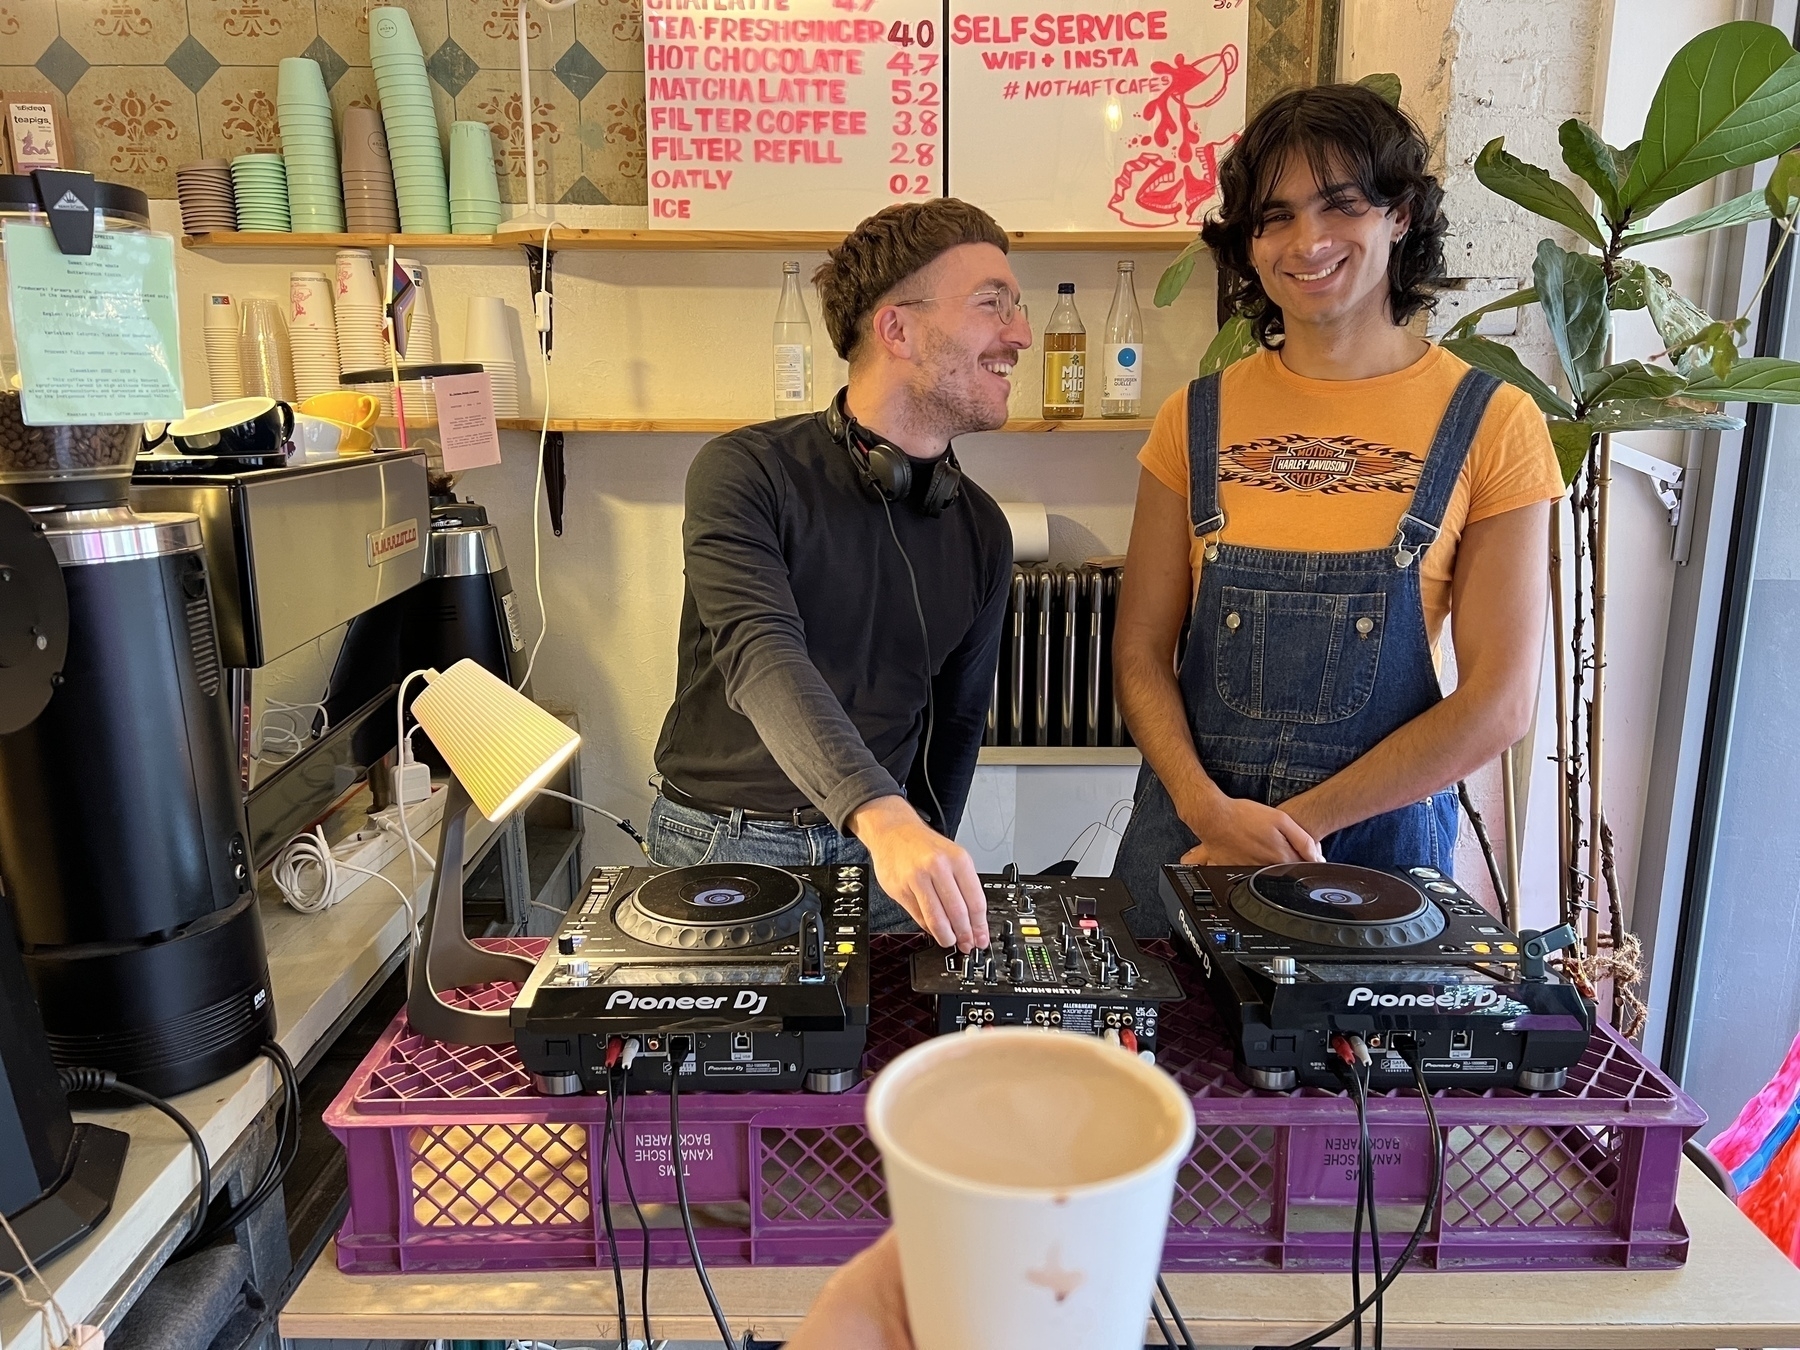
(681, 836)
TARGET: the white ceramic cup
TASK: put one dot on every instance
(1029, 1174)
(316, 437)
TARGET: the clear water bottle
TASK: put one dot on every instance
(1122, 387)
(1065, 358)
(793, 347)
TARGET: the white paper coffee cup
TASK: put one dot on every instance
(1029, 1174)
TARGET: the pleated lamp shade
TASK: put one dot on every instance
(501, 746)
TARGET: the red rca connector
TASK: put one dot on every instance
(615, 1046)
(1341, 1047)
(1128, 1039)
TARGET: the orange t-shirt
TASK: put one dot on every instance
(1330, 465)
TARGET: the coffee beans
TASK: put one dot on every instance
(27, 452)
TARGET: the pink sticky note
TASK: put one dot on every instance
(466, 427)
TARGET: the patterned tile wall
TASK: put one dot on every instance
(147, 85)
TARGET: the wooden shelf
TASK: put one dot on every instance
(1042, 756)
(716, 425)
(693, 241)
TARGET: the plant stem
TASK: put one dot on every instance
(1787, 231)
(1564, 909)
(1597, 708)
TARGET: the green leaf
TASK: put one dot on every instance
(1714, 347)
(1783, 191)
(1572, 441)
(1175, 276)
(1629, 285)
(1726, 100)
(1535, 190)
(1235, 340)
(1672, 414)
(1678, 320)
(1755, 379)
(1385, 83)
(1497, 358)
(1593, 161)
(1465, 326)
(1632, 380)
(1572, 293)
(1738, 211)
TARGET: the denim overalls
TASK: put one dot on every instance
(1298, 663)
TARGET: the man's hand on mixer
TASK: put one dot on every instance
(932, 878)
(861, 1307)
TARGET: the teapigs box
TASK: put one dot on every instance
(36, 136)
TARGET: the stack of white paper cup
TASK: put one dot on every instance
(1030, 1175)
(488, 339)
(357, 305)
(224, 371)
(312, 333)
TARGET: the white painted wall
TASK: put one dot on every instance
(688, 334)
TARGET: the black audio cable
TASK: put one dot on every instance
(912, 578)
(681, 1048)
(618, 1081)
(1345, 1068)
(1187, 1337)
(105, 1080)
(1360, 1074)
(1408, 1051)
(612, 1243)
(287, 1148)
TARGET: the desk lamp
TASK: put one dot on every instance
(501, 748)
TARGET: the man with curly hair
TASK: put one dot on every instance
(1315, 512)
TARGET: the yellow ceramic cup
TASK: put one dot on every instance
(357, 410)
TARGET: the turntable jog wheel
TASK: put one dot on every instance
(714, 907)
(1338, 906)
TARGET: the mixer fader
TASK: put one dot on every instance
(1061, 957)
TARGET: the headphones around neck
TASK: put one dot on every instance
(888, 469)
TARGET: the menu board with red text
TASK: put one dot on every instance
(791, 114)
(1090, 115)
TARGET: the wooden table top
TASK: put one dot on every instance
(1736, 1290)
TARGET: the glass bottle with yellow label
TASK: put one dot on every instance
(1065, 358)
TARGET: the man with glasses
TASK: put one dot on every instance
(840, 623)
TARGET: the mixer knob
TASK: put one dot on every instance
(566, 944)
(1283, 969)
(1131, 975)
(989, 973)
(1018, 970)
(1072, 960)
(968, 965)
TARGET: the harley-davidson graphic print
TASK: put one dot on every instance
(1331, 465)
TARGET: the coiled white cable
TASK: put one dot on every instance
(306, 873)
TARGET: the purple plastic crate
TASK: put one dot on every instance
(455, 1163)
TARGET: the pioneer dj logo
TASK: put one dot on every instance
(1460, 999)
(744, 1001)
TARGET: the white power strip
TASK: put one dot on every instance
(375, 847)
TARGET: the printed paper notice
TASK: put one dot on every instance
(466, 428)
(791, 114)
(98, 338)
(1095, 115)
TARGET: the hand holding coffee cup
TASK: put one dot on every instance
(1029, 1173)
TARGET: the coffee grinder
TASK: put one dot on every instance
(123, 838)
(57, 1176)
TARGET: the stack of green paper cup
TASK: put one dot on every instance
(474, 190)
(308, 144)
(416, 153)
(259, 182)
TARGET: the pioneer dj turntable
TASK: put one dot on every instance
(1295, 952)
(766, 968)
